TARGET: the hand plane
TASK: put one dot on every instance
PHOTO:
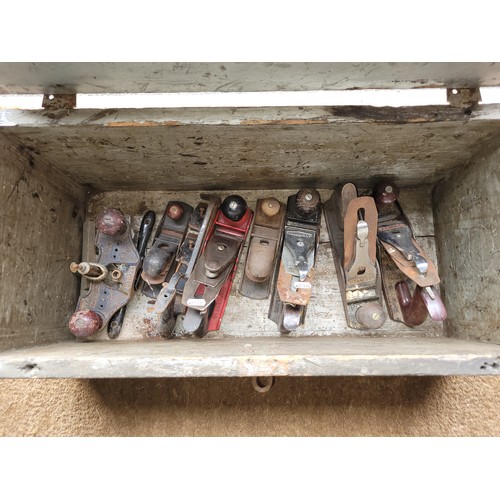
(207, 289)
(168, 305)
(158, 265)
(404, 264)
(293, 284)
(352, 227)
(265, 242)
(109, 266)
(145, 231)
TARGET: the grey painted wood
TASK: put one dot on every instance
(40, 228)
(238, 77)
(262, 148)
(248, 318)
(467, 213)
(254, 357)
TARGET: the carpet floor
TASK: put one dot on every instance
(316, 406)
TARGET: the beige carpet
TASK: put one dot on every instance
(346, 406)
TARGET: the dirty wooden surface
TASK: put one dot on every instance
(250, 357)
(248, 318)
(99, 77)
(261, 148)
(467, 212)
(40, 233)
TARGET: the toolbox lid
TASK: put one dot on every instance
(145, 77)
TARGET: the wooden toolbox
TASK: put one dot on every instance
(61, 165)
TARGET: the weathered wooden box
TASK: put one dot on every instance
(60, 167)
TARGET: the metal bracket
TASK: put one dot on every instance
(58, 102)
(463, 97)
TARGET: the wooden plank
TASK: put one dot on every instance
(254, 357)
(248, 318)
(65, 78)
(40, 233)
(467, 211)
(262, 148)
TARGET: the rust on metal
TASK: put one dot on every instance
(289, 121)
(463, 97)
(57, 102)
